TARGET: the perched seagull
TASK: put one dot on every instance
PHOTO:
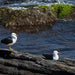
(10, 40)
(53, 56)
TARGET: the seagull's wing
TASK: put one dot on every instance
(7, 40)
(48, 56)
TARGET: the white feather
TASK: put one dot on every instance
(14, 38)
(55, 55)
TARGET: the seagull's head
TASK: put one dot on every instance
(56, 52)
(14, 35)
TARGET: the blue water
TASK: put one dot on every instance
(61, 37)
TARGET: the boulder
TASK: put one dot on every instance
(32, 19)
(18, 63)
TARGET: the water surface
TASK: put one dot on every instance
(61, 37)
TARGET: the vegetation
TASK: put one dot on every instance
(60, 10)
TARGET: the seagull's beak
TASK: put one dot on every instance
(58, 52)
(16, 35)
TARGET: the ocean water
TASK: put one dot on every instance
(18, 3)
(61, 37)
(69, 1)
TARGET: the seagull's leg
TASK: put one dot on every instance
(10, 47)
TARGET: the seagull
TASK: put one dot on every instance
(53, 56)
(10, 40)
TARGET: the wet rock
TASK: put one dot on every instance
(18, 63)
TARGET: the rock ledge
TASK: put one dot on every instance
(17, 63)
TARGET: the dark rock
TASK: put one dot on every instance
(27, 64)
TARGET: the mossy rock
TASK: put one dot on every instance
(60, 10)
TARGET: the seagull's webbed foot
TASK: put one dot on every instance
(10, 47)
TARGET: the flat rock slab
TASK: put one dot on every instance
(17, 63)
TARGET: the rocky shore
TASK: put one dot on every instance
(35, 19)
(32, 19)
(17, 63)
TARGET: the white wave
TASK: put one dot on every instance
(20, 5)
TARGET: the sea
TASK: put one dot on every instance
(60, 37)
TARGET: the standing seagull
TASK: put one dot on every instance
(10, 40)
(53, 56)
